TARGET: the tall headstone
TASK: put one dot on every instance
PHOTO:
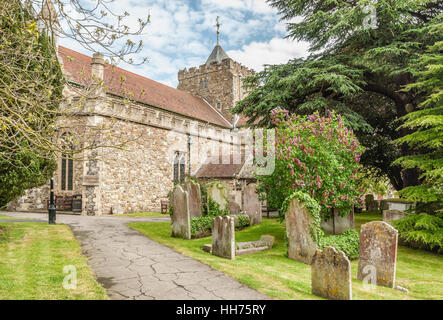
(223, 237)
(219, 193)
(301, 246)
(338, 224)
(194, 198)
(251, 203)
(378, 253)
(181, 218)
(331, 274)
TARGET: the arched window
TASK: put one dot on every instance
(67, 167)
(179, 167)
(206, 83)
(201, 84)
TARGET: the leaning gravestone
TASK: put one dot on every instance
(251, 204)
(194, 199)
(301, 246)
(378, 253)
(181, 218)
(331, 275)
(223, 237)
(218, 192)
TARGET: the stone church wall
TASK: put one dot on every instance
(225, 84)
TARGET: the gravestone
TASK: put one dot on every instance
(251, 203)
(181, 218)
(219, 193)
(194, 198)
(301, 246)
(391, 215)
(331, 274)
(338, 224)
(223, 237)
(234, 208)
(378, 253)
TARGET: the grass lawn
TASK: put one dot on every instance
(275, 275)
(142, 215)
(3, 217)
(32, 257)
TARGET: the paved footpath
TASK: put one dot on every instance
(132, 266)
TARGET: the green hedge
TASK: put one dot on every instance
(422, 231)
(348, 242)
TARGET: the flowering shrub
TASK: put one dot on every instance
(315, 155)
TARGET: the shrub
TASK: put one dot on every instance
(214, 209)
(315, 155)
(201, 226)
(422, 231)
(348, 242)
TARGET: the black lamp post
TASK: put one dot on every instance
(52, 208)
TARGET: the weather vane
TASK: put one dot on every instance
(218, 25)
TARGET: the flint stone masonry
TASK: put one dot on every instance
(338, 224)
(378, 253)
(331, 275)
(301, 246)
(181, 219)
(223, 237)
(224, 84)
(116, 210)
(219, 193)
(391, 215)
(251, 204)
(194, 199)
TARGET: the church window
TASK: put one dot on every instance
(201, 84)
(206, 83)
(218, 106)
(67, 172)
(179, 167)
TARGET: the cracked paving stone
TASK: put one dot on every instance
(132, 266)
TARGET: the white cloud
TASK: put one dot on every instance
(182, 34)
(256, 54)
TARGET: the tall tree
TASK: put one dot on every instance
(362, 57)
(32, 104)
(427, 123)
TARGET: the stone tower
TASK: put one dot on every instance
(219, 81)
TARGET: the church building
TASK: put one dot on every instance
(138, 177)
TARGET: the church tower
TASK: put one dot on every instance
(219, 81)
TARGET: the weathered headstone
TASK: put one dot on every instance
(331, 274)
(338, 224)
(181, 218)
(223, 237)
(219, 193)
(378, 253)
(251, 203)
(234, 208)
(194, 198)
(301, 246)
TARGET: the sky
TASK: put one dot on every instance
(182, 34)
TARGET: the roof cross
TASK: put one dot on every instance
(218, 25)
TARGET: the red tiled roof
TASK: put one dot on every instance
(212, 170)
(122, 82)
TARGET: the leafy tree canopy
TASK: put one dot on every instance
(31, 85)
(363, 55)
